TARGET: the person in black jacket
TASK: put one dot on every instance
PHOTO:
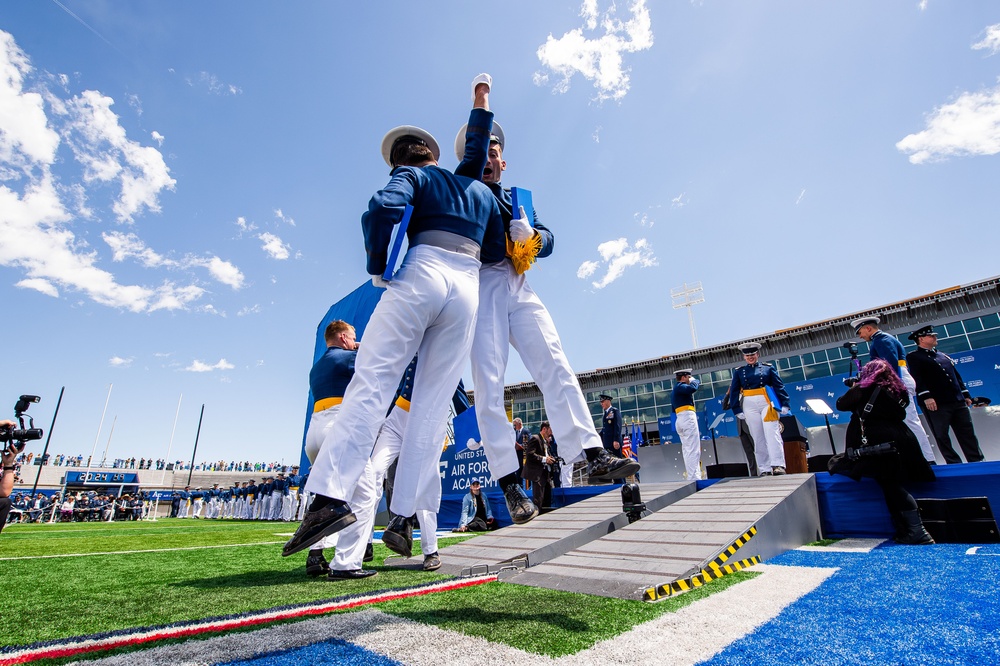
(943, 397)
(881, 446)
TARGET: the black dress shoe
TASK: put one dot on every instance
(319, 523)
(432, 562)
(369, 553)
(520, 508)
(350, 574)
(316, 564)
(606, 467)
(398, 535)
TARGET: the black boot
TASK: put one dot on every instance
(606, 467)
(898, 525)
(914, 534)
(316, 564)
(520, 508)
(398, 535)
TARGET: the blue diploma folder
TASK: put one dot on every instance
(522, 197)
(397, 252)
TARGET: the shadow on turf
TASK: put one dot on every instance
(249, 579)
(476, 615)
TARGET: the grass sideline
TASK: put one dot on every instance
(61, 597)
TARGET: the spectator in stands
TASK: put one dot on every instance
(477, 516)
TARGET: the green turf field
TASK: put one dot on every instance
(70, 579)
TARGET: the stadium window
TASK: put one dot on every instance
(820, 356)
(973, 325)
(722, 376)
(662, 397)
(953, 345)
(954, 329)
(663, 411)
(792, 375)
(627, 403)
(647, 415)
(644, 400)
(817, 371)
(991, 320)
(984, 338)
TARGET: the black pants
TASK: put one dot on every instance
(958, 417)
(4, 510)
(897, 498)
(746, 439)
(541, 492)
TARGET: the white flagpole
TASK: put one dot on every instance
(170, 444)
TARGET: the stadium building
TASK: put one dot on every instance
(812, 362)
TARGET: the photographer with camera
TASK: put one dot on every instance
(889, 349)
(7, 480)
(880, 446)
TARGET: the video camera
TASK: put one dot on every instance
(852, 348)
(15, 439)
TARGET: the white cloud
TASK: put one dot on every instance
(214, 85)
(644, 219)
(119, 362)
(968, 126)
(587, 269)
(199, 366)
(248, 310)
(55, 145)
(678, 201)
(284, 218)
(134, 101)
(157, 137)
(224, 272)
(99, 143)
(243, 225)
(274, 246)
(598, 59)
(991, 42)
(40, 285)
(617, 256)
(596, 136)
(802, 195)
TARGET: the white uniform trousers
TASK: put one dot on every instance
(686, 422)
(912, 419)
(319, 426)
(566, 470)
(182, 511)
(430, 308)
(767, 445)
(287, 506)
(352, 540)
(390, 440)
(510, 313)
(196, 507)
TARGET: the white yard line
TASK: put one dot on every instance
(151, 550)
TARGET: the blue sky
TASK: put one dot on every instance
(181, 183)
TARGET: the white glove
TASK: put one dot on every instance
(482, 78)
(785, 411)
(741, 416)
(520, 229)
(379, 281)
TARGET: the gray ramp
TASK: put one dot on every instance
(681, 539)
(549, 535)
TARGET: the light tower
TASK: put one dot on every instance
(686, 296)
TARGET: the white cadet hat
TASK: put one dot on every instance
(497, 136)
(864, 321)
(396, 133)
(750, 348)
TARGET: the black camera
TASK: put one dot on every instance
(851, 381)
(851, 347)
(15, 439)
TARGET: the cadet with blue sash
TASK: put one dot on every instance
(889, 349)
(429, 307)
(686, 421)
(752, 381)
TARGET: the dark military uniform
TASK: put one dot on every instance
(611, 431)
(938, 378)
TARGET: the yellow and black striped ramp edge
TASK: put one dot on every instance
(713, 572)
(701, 535)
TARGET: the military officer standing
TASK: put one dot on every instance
(889, 349)
(686, 421)
(943, 396)
(751, 381)
(611, 431)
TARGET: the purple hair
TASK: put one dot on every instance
(882, 374)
